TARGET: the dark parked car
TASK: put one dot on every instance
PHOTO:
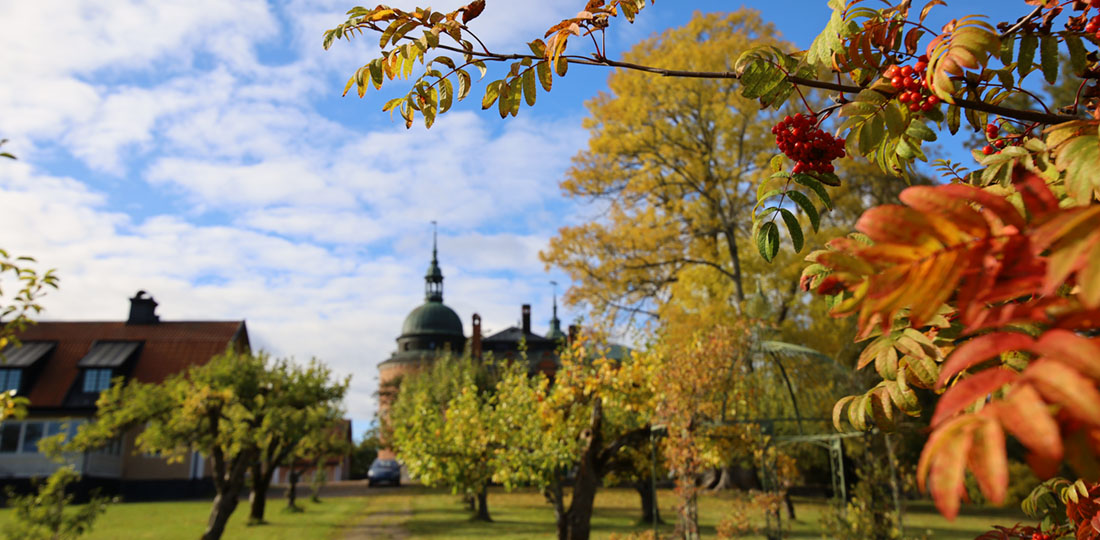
(384, 471)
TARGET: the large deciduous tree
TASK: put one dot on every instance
(670, 169)
(303, 410)
(985, 290)
(596, 406)
(442, 424)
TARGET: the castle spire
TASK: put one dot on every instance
(555, 332)
(433, 279)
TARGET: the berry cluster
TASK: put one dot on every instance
(1093, 26)
(996, 144)
(812, 149)
(910, 82)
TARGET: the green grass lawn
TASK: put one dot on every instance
(526, 515)
(186, 520)
(418, 513)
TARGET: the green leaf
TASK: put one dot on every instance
(776, 163)
(759, 78)
(1007, 45)
(504, 105)
(807, 206)
(529, 87)
(1048, 57)
(1076, 54)
(388, 33)
(906, 150)
(446, 95)
(538, 47)
(829, 40)
(545, 77)
(1026, 58)
(405, 29)
(492, 92)
(816, 186)
(794, 228)
(376, 72)
(767, 240)
(463, 84)
(894, 119)
(561, 67)
(918, 130)
(954, 118)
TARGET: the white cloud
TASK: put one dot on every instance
(300, 218)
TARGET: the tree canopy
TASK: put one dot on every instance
(236, 410)
(984, 289)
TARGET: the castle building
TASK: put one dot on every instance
(433, 329)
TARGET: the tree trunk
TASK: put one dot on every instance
(257, 499)
(688, 527)
(292, 489)
(229, 482)
(557, 499)
(483, 505)
(224, 505)
(579, 516)
(650, 511)
(578, 519)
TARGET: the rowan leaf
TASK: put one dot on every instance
(492, 92)
(1066, 386)
(807, 206)
(969, 390)
(1025, 416)
(767, 240)
(987, 460)
(529, 87)
(829, 40)
(943, 463)
(1076, 351)
(794, 228)
(463, 85)
(1048, 57)
(1025, 58)
(979, 349)
(545, 77)
(815, 185)
(1077, 54)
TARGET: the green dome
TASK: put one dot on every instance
(432, 318)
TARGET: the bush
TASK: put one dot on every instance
(44, 516)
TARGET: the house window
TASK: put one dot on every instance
(96, 380)
(9, 437)
(32, 433)
(9, 379)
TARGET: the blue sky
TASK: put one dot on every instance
(200, 150)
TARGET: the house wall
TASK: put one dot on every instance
(138, 465)
(20, 459)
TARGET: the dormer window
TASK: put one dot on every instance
(105, 359)
(96, 380)
(10, 379)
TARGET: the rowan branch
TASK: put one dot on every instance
(1018, 114)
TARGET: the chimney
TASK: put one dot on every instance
(573, 331)
(143, 309)
(475, 339)
(526, 318)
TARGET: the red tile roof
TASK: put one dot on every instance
(169, 347)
